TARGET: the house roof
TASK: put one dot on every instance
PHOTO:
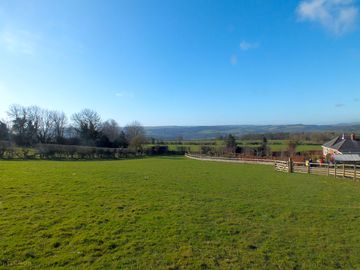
(332, 142)
(343, 145)
(348, 157)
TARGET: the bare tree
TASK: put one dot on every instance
(111, 130)
(16, 112)
(46, 126)
(291, 147)
(135, 135)
(24, 124)
(60, 120)
(34, 117)
(87, 123)
(33, 124)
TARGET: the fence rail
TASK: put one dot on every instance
(282, 166)
(350, 171)
(233, 160)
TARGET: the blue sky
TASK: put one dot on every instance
(184, 62)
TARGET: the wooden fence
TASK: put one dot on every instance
(232, 160)
(282, 166)
(350, 171)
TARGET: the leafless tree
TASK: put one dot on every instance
(291, 147)
(34, 117)
(46, 126)
(111, 130)
(87, 123)
(59, 120)
(24, 122)
(17, 112)
(135, 135)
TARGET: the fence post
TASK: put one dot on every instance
(335, 171)
(328, 169)
(354, 172)
(290, 165)
(344, 170)
(308, 168)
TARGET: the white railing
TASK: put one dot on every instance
(349, 171)
(232, 160)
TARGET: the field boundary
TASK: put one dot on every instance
(232, 160)
(349, 171)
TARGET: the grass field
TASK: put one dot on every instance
(174, 213)
(274, 145)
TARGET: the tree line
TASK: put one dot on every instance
(232, 149)
(308, 137)
(260, 148)
(31, 125)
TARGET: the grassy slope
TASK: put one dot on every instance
(275, 145)
(173, 213)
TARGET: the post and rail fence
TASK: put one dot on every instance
(231, 160)
(349, 171)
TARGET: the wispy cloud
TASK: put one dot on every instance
(337, 16)
(356, 100)
(124, 94)
(246, 45)
(339, 105)
(233, 59)
(6, 99)
(19, 41)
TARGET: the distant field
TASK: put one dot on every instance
(174, 213)
(275, 145)
(175, 147)
(299, 148)
(211, 132)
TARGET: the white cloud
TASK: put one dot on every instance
(124, 94)
(337, 16)
(19, 41)
(245, 45)
(233, 59)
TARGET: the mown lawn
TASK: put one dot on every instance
(273, 145)
(299, 148)
(174, 213)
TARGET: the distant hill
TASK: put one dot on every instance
(211, 132)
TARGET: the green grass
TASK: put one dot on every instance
(176, 147)
(174, 213)
(275, 145)
(299, 148)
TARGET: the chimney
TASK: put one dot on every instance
(352, 136)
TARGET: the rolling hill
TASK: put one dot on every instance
(211, 132)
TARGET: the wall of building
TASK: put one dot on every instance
(330, 151)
